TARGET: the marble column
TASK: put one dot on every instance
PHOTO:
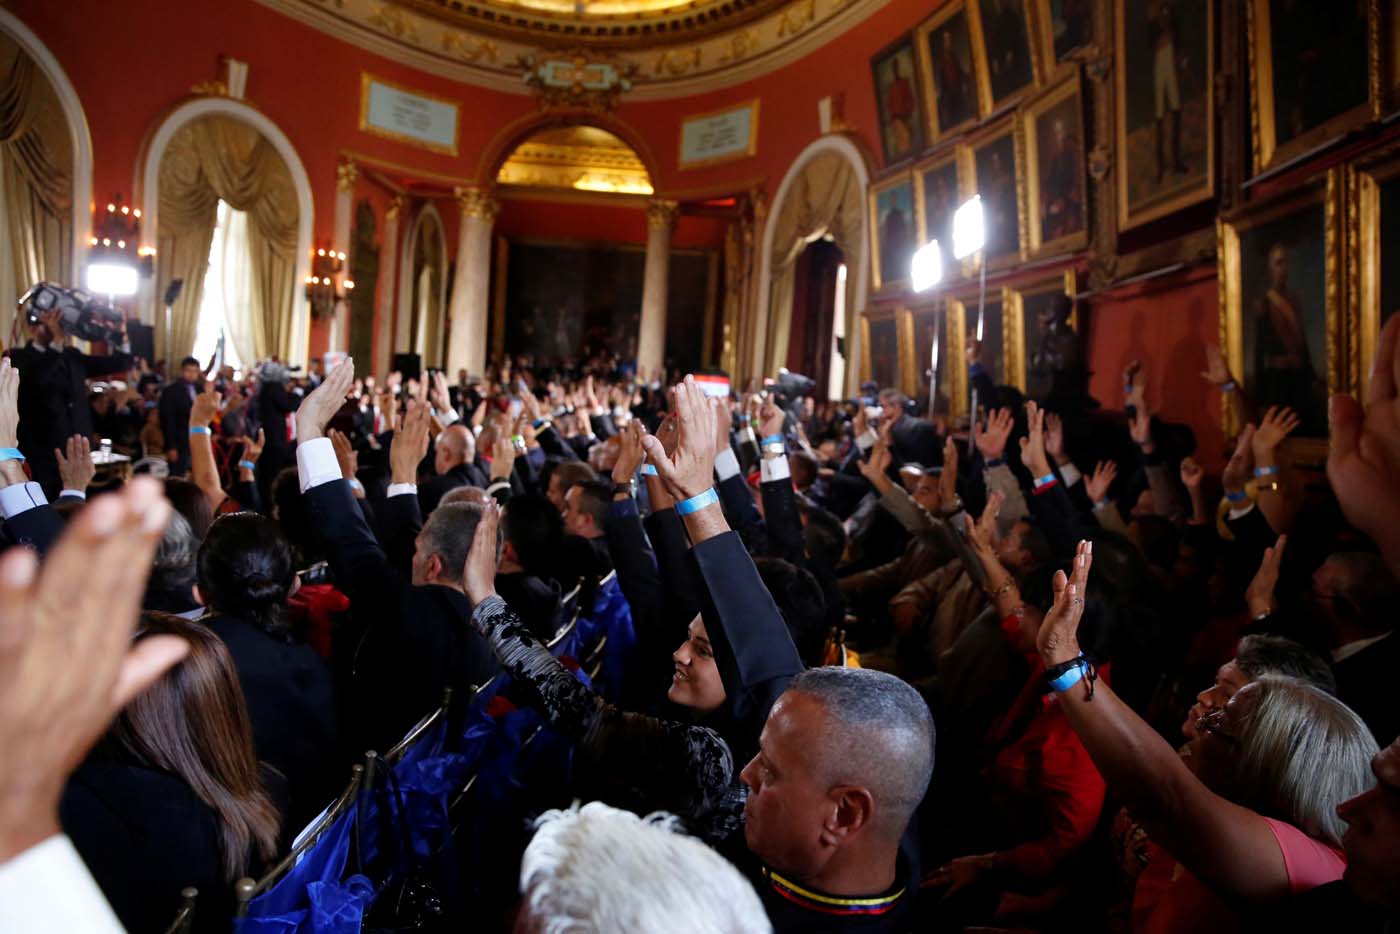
(651, 337)
(347, 174)
(470, 307)
(388, 286)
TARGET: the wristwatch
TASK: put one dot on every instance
(624, 489)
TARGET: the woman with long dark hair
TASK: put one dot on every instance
(245, 575)
(173, 796)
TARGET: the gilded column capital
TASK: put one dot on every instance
(662, 214)
(346, 174)
(477, 202)
(396, 206)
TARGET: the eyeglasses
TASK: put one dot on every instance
(1213, 723)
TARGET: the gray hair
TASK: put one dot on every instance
(448, 533)
(596, 868)
(1261, 655)
(174, 563)
(465, 494)
(1301, 753)
(880, 736)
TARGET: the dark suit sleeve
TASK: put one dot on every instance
(554, 445)
(737, 502)
(602, 426)
(361, 568)
(36, 528)
(753, 649)
(680, 589)
(170, 420)
(246, 495)
(1060, 521)
(784, 526)
(632, 556)
(101, 366)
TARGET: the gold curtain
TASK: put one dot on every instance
(213, 159)
(825, 199)
(36, 182)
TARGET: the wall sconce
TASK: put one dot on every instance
(116, 261)
(322, 289)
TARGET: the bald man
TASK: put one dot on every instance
(454, 461)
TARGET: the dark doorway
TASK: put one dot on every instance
(816, 277)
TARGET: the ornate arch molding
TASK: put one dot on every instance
(403, 325)
(77, 127)
(149, 194)
(766, 348)
(508, 138)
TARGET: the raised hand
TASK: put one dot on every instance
(410, 443)
(982, 534)
(630, 454)
(76, 470)
(1058, 639)
(991, 440)
(1260, 593)
(205, 407)
(437, 391)
(479, 573)
(9, 405)
(1140, 428)
(689, 470)
(502, 457)
(530, 405)
(1134, 384)
(1278, 423)
(345, 454)
(1055, 438)
(1240, 464)
(253, 448)
(321, 404)
(56, 701)
(1096, 485)
(1216, 372)
(1033, 445)
(876, 467)
(1363, 462)
(948, 480)
(1191, 474)
(771, 418)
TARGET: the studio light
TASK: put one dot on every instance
(112, 279)
(969, 231)
(926, 270)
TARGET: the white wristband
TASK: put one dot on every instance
(726, 464)
(401, 489)
(774, 468)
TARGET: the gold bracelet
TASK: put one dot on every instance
(1002, 590)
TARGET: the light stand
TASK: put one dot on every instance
(926, 271)
(969, 237)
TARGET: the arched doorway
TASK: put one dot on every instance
(822, 198)
(423, 288)
(45, 170)
(247, 160)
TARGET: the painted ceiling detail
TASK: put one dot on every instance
(582, 158)
(659, 48)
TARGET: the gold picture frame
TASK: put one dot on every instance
(952, 360)
(1269, 152)
(994, 191)
(888, 326)
(1365, 219)
(923, 171)
(1246, 257)
(884, 198)
(367, 79)
(923, 38)
(1053, 63)
(979, 29)
(1190, 189)
(1017, 353)
(993, 338)
(750, 148)
(1053, 102)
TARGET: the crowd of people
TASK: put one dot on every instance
(1041, 671)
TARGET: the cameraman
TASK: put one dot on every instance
(53, 398)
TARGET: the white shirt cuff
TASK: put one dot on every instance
(1240, 512)
(1070, 475)
(774, 468)
(726, 464)
(497, 485)
(21, 497)
(448, 417)
(47, 890)
(75, 494)
(402, 489)
(316, 463)
(867, 441)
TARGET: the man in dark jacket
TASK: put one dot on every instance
(176, 400)
(454, 461)
(53, 398)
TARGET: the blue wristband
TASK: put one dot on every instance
(1047, 479)
(1236, 497)
(649, 470)
(247, 465)
(1266, 471)
(1070, 678)
(698, 502)
(200, 430)
(1228, 386)
(10, 454)
(539, 422)
(774, 439)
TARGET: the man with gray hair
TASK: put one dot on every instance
(843, 762)
(596, 868)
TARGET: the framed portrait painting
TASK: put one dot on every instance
(1065, 27)
(994, 165)
(1056, 181)
(1007, 50)
(1373, 213)
(949, 54)
(894, 234)
(938, 191)
(986, 326)
(940, 361)
(888, 348)
(1036, 344)
(1281, 315)
(1165, 120)
(1311, 71)
(897, 100)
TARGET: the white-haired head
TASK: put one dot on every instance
(595, 868)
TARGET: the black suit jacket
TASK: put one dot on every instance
(1365, 683)
(53, 403)
(432, 491)
(406, 644)
(175, 405)
(916, 441)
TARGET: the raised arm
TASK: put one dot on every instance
(29, 519)
(202, 468)
(779, 501)
(1270, 479)
(1229, 848)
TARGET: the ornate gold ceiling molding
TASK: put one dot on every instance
(742, 50)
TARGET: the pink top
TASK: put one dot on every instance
(1169, 898)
